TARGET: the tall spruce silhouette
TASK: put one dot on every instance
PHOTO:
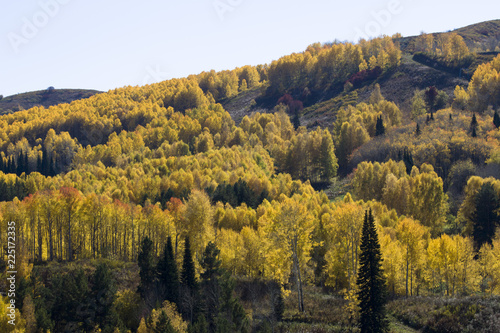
(496, 119)
(485, 218)
(371, 281)
(145, 260)
(188, 277)
(168, 274)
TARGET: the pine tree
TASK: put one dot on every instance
(371, 281)
(496, 119)
(26, 163)
(39, 164)
(199, 326)
(168, 274)
(485, 218)
(210, 262)
(379, 127)
(210, 284)
(473, 126)
(296, 119)
(163, 325)
(188, 277)
(145, 260)
(408, 160)
(277, 301)
(417, 130)
(103, 294)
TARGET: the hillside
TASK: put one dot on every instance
(397, 85)
(485, 36)
(255, 199)
(45, 98)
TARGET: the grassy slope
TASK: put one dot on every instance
(44, 98)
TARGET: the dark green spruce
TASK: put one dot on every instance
(485, 218)
(145, 260)
(168, 274)
(371, 281)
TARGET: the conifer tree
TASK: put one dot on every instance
(296, 119)
(168, 274)
(485, 218)
(408, 160)
(103, 294)
(39, 164)
(26, 163)
(210, 262)
(496, 119)
(417, 130)
(163, 325)
(473, 126)
(371, 281)
(379, 127)
(474, 133)
(188, 277)
(189, 301)
(145, 260)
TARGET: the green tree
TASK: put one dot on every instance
(145, 260)
(168, 274)
(371, 280)
(496, 119)
(379, 127)
(164, 325)
(103, 296)
(473, 126)
(485, 218)
(189, 301)
(188, 277)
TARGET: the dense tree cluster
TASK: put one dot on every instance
(321, 67)
(160, 181)
(448, 49)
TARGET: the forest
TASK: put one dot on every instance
(150, 209)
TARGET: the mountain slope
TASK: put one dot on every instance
(44, 98)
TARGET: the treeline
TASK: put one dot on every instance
(447, 49)
(322, 67)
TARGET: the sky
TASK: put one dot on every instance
(109, 44)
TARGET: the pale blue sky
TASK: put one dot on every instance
(109, 43)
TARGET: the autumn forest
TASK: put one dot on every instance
(235, 201)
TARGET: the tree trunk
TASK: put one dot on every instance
(40, 238)
(407, 269)
(299, 279)
(51, 243)
(70, 250)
